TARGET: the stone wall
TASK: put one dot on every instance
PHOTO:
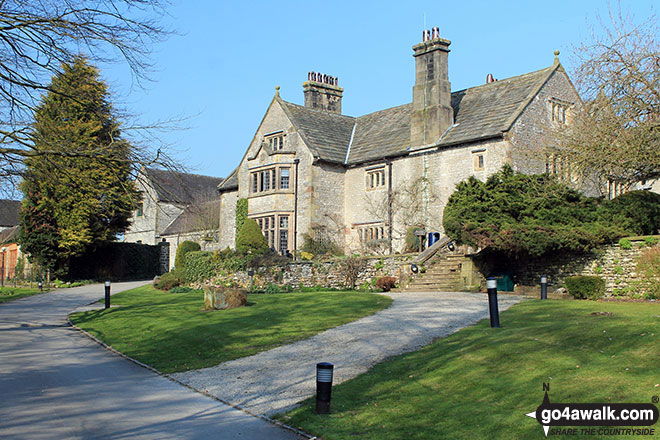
(312, 273)
(612, 263)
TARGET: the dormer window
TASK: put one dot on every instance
(275, 140)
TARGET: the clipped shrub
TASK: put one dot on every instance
(182, 250)
(199, 266)
(168, 280)
(586, 287)
(241, 213)
(271, 289)
(250, 239)
(386, 284)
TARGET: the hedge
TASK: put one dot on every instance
(116, 261)
(199, 266)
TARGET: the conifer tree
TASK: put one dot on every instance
(83, 191)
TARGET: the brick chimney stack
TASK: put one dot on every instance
(432, 113)
(322, 92)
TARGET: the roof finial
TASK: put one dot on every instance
(556, 55)
(277, 90)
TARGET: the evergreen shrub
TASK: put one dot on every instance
(182, 250)
(250, 239)
(586, 287)
(199, 266)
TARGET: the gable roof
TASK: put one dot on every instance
(327, 134)
(9, 212)
(490, 109)
(195, 218)
(182, 188)
(480, 112)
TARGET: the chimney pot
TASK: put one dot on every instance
(489, 78)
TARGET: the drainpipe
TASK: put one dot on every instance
(389, 204)
(295, 210)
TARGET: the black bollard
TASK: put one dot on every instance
(491, 284)
(41, 286)
(544, 287)
(323, 387)
(107, 294)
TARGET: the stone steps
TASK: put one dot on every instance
(442, 275)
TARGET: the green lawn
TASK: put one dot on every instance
(480, 382)
(9, 293)
(172, 333)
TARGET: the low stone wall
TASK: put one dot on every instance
(617, 266)
(313, 273)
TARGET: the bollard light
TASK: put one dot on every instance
(491, 284)
(107, 294)
(324, 372)
(544, 287)
(41, 286)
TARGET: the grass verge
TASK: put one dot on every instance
(172, 333)
(11, 293)
(480, 382)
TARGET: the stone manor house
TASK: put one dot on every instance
(363, 181)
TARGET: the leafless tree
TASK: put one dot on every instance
(38, 36)
(615, 134)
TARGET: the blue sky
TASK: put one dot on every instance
(222, 68)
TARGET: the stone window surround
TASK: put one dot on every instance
(375, 178)
(275, 139)
(371, 231)
(276, 168)
(559, 110)
(479, 159)
(274, 222)
(614, 189)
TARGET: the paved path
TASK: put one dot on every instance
(55, 383)
(275, 380)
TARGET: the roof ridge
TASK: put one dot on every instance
(500, 81)
(324, 112)
(384, 110)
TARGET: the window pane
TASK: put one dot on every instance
(284, 178)
(266, 180)
(284, 241)
(284, 222)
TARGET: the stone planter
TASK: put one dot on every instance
(221, 298)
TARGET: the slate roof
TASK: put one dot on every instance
(9, 212)
(385, 133)
(195, 218)
(230, 182)
(480, 112)
(9, 235)
(182, 188)
(326, 134)
(490, 109)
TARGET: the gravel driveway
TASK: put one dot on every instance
(274, 381)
